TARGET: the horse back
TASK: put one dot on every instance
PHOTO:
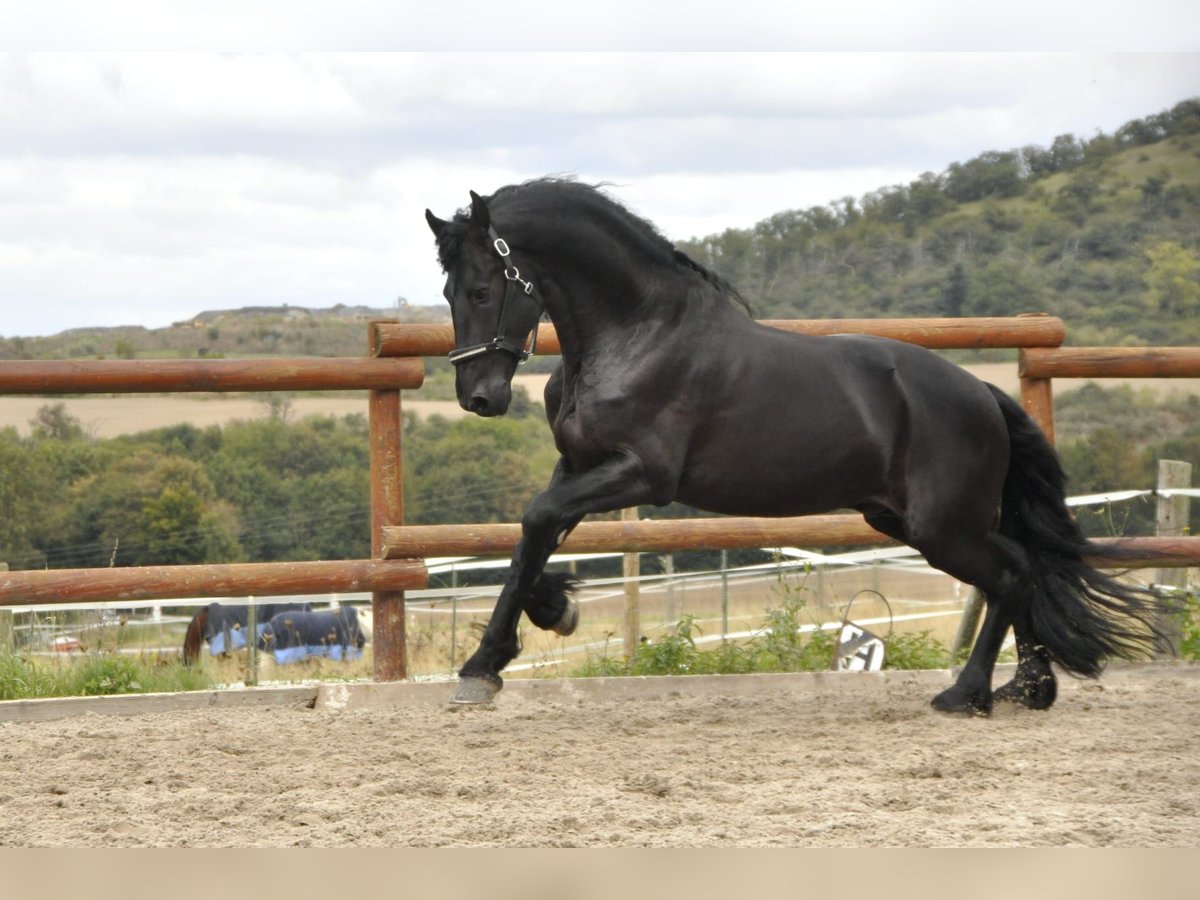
(810, 424)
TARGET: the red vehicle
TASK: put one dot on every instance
(65, 644)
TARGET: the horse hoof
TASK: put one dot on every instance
(570, 619)
(476, 690)
(963, 701)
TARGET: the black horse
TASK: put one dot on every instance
(668, 391)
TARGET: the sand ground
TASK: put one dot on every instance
(1115, 763)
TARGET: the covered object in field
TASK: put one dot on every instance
(332, 633)
(223, 626)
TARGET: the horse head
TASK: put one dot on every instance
(494, 309)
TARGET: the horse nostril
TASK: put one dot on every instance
(478, 405)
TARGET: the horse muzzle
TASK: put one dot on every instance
(486, 399)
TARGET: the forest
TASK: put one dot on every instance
(1102, 231)
(273, 489)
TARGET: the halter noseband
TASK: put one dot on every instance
(512, 276)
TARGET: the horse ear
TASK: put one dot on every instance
(479, 211)
(436, 225)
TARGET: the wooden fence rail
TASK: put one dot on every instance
(732, 533)
(104, 376)
(232, 580)
(1038, 330)
(1110, 362)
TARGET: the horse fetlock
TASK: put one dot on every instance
(570, 619)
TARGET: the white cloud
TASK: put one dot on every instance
(142, 188)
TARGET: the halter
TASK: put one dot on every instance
(512, 276)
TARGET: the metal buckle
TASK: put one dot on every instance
(501, 246)
(512, 273)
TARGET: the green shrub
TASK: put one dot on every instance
(782, 645)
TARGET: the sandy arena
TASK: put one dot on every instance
(754, 761)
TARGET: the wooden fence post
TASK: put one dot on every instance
(386, 424)
(1172, 521)
(1037, 398)
(631, 569)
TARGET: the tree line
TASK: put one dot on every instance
(269, 489)
(275, 490)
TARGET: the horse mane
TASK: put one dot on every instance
(548, 195)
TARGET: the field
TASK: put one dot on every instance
(727, 761)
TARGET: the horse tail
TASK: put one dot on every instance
(191, 640)
(1082, 616)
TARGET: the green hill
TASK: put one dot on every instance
(250, 331)
(1104, 232)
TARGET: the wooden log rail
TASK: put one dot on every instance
(394, 339)
(50, 586)
(115, 376)
(1110, 362)
(1037, 368)
(731, 533)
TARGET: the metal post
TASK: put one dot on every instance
(631, 567)
(252, 642)
(669, 572)
(1171, 520)
(968, 624)
(724, 594)
(453, 619)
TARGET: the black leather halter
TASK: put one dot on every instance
(512, 277)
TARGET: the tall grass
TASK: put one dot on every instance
(25, 677)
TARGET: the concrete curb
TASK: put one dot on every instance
(140, 704)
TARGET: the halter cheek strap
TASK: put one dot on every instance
(512, 276)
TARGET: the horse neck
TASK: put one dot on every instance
(593, 296)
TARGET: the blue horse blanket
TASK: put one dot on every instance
(332, 633)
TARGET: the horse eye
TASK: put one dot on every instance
(479, 295)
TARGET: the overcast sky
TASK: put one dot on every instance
(142, 188)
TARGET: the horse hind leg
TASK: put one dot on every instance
(970, 695)
(993, 563)
(997, 566)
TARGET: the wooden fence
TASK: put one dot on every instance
(398, 551)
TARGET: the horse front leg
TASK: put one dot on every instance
(619, 482)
